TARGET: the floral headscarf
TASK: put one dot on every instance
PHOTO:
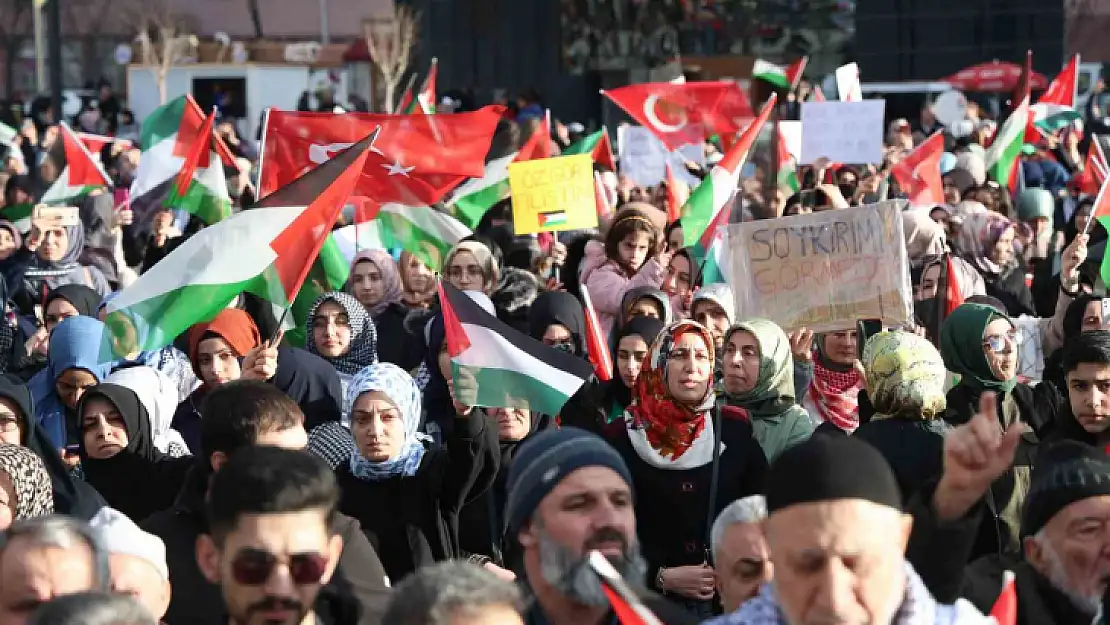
(978, 235)
(392, 290)
(34, 496)
(401, 390)
(665, 432)
(905, 376)
(363, 350)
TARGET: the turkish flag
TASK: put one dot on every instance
(680, 114)
(415, 160)
(919, 173)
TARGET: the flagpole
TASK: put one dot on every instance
(770, 183)
(262, 148)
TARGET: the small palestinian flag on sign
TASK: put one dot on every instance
(77, 172)
(495, 365)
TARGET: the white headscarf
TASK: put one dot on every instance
(159, 395)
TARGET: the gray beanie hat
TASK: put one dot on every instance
(545, 459)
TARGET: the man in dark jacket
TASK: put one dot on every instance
(570, 493)
(237, 415)
(1062, 571)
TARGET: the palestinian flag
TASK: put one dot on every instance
(1089, 180)
(1056, 107)
(595, 340)
(78, 173)
(421, 231)
(1101, 212)
(425, 100)
(495, 365)
(200, 187)
(627, 605)
(601, 197)
(788, 175)
(711, 251)
(781, 77)
(19, 215)
(267, 251)
(714, 193)
(918, 173)
(167, 137)
(1003, 156)
(475, 196)
(597, 145)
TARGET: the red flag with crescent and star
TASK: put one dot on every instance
(415, 161)
(681, 114)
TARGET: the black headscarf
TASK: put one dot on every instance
(71, 497)
(562, 308)
(81, 297)
(646, 328)
(139, 480)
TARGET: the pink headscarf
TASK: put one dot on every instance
(391, 278)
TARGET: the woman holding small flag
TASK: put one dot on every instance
(407, 495)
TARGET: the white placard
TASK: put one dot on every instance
(847, 83)
(843, 132)
(792, 135)
(643, 158)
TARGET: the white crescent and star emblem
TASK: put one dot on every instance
(653, 117)
(320, 154)
(397, 169)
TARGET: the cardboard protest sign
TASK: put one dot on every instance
(843, 132)
(823, 271)
(552, 194)
(47, 217)
(644, 158)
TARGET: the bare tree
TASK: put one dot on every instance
(256, 18)
(390, 42)
(165, 38)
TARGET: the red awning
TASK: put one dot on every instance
(357, 52)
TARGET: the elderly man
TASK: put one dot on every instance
(570, 493)
(1061, 576)
(43, 558)
(837, 533)
(740, 552)
(137, 560)
(454, 593)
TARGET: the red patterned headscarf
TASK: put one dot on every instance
(670, 426)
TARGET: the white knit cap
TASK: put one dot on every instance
(119, 534)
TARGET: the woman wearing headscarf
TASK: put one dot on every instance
(118, 455)
(392, 469)
(557, 320)
(978, 343)
(759, 379)
(159, 397)
(905, 378)
(68, 300)
(670, 439)
(341, 332)
(986, 240)
(376, 284)
(25, 491)
(57, 262)
(832, 399)
(215, 349)
(924, 237)
(73, 365)
(71, 496)
(644, 301)
(633, 340)
(471, 266)
(418, 282)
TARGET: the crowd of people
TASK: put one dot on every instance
(731, 471)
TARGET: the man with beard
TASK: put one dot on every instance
(271, 544)
(570, 493)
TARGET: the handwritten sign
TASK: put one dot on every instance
(643, 157)
(553, 194)
(823, 271)
(843, 132)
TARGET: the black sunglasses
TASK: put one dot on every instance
(252, 567)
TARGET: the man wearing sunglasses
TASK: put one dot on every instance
(271, 544)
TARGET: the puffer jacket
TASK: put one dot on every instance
(607, 282)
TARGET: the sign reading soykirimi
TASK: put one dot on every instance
(823, 271)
